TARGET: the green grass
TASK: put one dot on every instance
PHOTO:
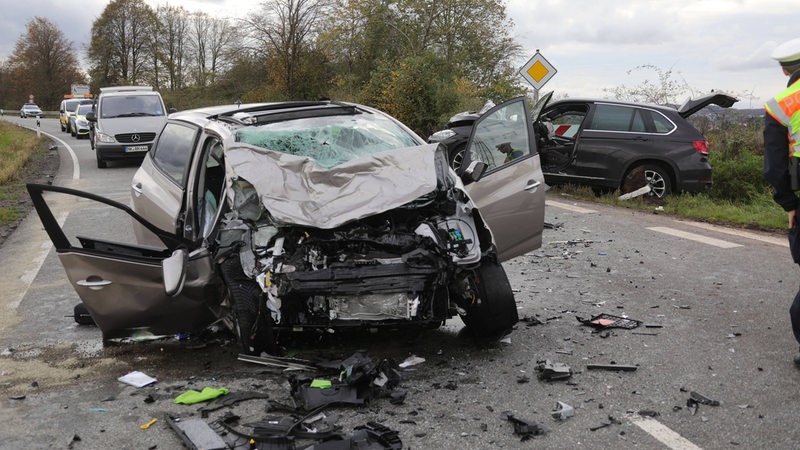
(759, 212)
(17, 147)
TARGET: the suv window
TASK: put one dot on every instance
(616, 118)
(174, 150)
(662, 124)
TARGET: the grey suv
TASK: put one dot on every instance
(305, 216)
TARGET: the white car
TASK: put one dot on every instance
(30, 110)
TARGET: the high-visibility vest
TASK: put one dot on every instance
(785, 108)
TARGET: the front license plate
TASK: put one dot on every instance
(136, 148)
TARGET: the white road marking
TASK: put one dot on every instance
(784, 242)
(569, 207)
(76, 168)
(695, 237)
(663, 434)
(36, 264)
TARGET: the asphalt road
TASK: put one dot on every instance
(713, 304)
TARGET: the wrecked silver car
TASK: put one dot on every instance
(275, 218)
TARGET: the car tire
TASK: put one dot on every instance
(72, 131)
(252, 323)
(654, 175)
(81, 315)
(494, 310)
(456, 157)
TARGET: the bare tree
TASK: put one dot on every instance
(213, 41)
(285, 31)
(43, 64)
(665, 90)
(170, 44)
(121, 48)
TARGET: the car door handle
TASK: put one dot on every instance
(137, 189)
(94, 284)
(533, 186)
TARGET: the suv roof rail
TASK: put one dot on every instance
(125, 89)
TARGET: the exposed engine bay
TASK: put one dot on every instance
(402, 265)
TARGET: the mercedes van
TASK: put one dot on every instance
(127, 121)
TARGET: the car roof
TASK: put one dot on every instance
(611, 102)
(239, 113)
(690, 107)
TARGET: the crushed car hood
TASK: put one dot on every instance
(295, 190)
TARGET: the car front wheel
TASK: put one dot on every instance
(493, 310)
(652, 175)
(251, 322)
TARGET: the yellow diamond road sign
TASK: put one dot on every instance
(537, 71)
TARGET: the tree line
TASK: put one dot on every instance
(419, 60)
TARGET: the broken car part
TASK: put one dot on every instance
(604, 321)
(563, 411)
(550, 371)
(700, 398)
(524, 428)
(612, 367)
(196, 434)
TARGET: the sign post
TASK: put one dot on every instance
(537, 71)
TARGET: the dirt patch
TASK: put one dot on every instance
(42, 168)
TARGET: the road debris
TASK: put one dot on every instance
(613, 367)
(700, 398)
(137, 379)
(637, 193)
(524, 428)
(606, 321)
(551, 371)
(412, 360)
(148, 424)
(196, 434)
(611, 421)
(563, 411)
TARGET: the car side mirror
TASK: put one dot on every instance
(173, 270)
(473, 172)
(91, 116)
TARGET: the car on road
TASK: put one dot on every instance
(30, 110)
(274, 218)
(66, 112)
(126, 123)
(612, 145)
(78, 124)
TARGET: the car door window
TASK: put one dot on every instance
(211, 182)
(661, 123)
(501, 138)
(612, 118)
(174, 151)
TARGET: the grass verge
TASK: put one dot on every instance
(759, 213)
(20, 151)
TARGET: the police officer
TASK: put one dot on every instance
(782, 154)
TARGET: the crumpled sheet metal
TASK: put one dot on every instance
(295, 190)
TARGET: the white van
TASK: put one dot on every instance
(127, 121)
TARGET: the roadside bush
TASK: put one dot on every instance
(737, 163)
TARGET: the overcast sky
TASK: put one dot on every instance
(593, 44)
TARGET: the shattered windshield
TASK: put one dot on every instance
(329, 140)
